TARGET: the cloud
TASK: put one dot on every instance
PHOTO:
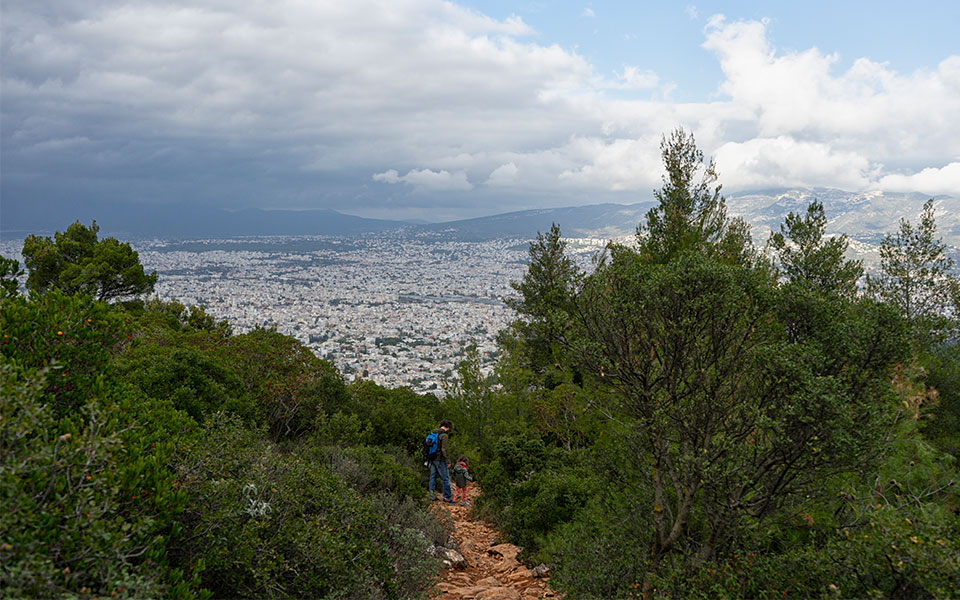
(692, 12)
(869, 108)
(633, 78)
(784, 162)
(932, 180)
(425, 179)
(503, 175)
(254, 102)
(588, 12)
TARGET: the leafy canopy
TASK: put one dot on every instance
(917, 274)
(806, 255)
(75, 261)
(691, 213)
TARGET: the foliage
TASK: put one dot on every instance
(471, 402)
(545, 290)
(75, 261)
(88, 500)
(72, 335)
(268, 524)
(370, 470)
(941, 423)
(737, 393)
(805, 255)
(396, 417)
(191, 379)
(917, 275)
(691, 215)
(10, 272)
(288, 384)
(173, 316)
(600, 553)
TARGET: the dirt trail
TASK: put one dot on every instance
(491, 570)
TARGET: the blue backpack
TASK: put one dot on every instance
(431, 446)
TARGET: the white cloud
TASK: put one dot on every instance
(691, 11)
(588, 12)
(633, 78)
(389, 176)
(944, 180)
(505, 174)
(445, 95)
(786, 162)
(425, 179)
(870, 108)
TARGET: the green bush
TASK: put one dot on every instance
(193, 380)
(88, 500)
(397, 417)
(72, 335)
(546, 500)
(288, 384)
(368, 469)
(602, 553)
(272, 524)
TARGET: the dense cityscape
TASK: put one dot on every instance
(397, 309)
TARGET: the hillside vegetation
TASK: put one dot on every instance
(695, 417)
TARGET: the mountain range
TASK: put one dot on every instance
(864, 216)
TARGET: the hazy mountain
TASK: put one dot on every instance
(595, 220)
(865, 217)
(192, 221)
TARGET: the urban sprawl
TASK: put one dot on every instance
(397, 309)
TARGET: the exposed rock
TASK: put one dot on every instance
(490, 570)
(505, 550)
(541, 570)
(499, 593)
(452, 559)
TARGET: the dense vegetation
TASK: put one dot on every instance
(693, 418)
(147, 452)
(706, 419)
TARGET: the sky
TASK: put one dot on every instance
(425, 109)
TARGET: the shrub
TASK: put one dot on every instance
(603, 552)
(193, 380)
(397, 417)
(88, 501)
(268, 524)
(289, 385)
(72, 335)
(369, 469)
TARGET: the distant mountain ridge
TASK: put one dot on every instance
(864, 216)
(193, 221)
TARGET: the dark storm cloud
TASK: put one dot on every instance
(417, 108)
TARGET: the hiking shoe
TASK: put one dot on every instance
(464, 503)
(448, 501)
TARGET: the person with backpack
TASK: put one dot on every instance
(437, 454)
(461, 476)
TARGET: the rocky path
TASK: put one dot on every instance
(489, 570)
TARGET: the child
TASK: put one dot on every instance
(461, 476)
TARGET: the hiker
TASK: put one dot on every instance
(440, 461)
(461, 476)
